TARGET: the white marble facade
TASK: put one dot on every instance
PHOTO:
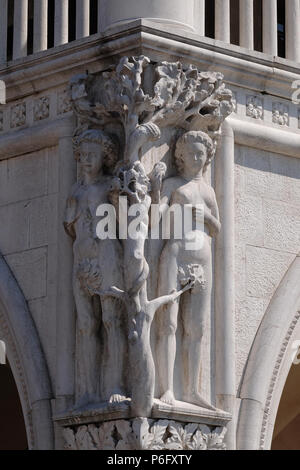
(228, 398)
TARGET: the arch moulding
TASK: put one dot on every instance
(269, 364)
(26, 359)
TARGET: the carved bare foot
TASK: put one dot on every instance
(117, 398)
(196, 399)
(168, 397)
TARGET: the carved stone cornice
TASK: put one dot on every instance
(248, 69)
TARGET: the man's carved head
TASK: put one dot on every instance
(93, 148)
(194, 148)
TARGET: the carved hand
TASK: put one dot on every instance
(213, 223)
(157, 176)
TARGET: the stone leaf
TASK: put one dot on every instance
(125, 434)
(84, 440)
(214, 439)
(158, 432)
(103, 436)
(180, 436)
(198, 441)
(70, 440)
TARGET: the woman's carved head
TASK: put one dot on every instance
(194, 148)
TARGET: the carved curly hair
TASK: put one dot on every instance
(189, 138)
(96, 136)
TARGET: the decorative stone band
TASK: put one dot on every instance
(111, 427)
(31, 111)
(145, 434)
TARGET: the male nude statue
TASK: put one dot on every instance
(97, 261)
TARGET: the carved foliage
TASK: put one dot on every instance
(178, 96)
(63, 103)
(41, 108)
(145, 434)
(189, 98)
(18, 115)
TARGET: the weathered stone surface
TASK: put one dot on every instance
(14, 235)
(30, 224)
(249, 313)
(30, 269)
(239, 177)
(270, 175)
(240, 272)
(281, 226)
(260, 182)
(24, 177)
(53, 170)
(42, 213)
(249, 220)
(264, 269)
(267, 236)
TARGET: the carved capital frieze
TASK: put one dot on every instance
(145, 434)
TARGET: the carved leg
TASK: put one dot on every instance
(87, 348)
(113, 321)
(142, 369)
(196, 310)
(167, 321)
(115, 349)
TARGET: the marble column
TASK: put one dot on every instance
(222, 20)
(3, 31)
(270, 38)
(65, 346)
(175, 13)
(224, 281)
(82, 18)
(200, 17)
(247, 24)
(292, 22)
(20, 28)
(61, 28)
(40, 25)
(100, 16)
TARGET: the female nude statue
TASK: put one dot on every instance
(194, 152)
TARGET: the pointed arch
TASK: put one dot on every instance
(27, 360)
(269, 363)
